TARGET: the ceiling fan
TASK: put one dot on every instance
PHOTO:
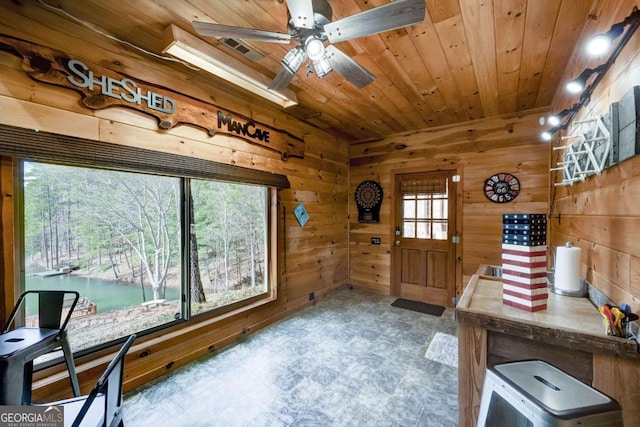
(310, 26)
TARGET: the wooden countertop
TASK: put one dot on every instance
(570, 322)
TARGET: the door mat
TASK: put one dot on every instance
(422, 307)
(443, 349)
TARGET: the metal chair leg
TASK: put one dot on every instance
(27, 375)
(71, 367)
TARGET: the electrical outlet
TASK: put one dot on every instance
(312, 296)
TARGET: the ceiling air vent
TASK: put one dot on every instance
(242, 49)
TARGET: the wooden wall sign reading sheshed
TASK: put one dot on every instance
(102, 88)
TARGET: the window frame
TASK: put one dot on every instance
(11, 145)
(271, 276)
(432, 216)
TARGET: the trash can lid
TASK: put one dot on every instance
(552, 388)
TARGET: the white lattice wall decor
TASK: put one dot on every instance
(586, 153)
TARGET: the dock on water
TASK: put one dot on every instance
(58, 272)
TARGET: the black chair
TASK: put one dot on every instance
(103, 406)
(20, 346)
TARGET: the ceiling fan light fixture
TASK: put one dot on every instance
(314, 48)
(322, 67)
(293, 59)
(188, 48)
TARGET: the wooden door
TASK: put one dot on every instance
(424, 251)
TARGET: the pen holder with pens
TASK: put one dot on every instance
(616, 320)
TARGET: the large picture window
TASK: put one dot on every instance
(118, 237)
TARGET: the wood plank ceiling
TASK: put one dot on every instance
(469, 59)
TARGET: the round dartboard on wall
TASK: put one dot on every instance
(502, 187)
(368, 200)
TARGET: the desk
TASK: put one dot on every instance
(569, 335)
(18, 349)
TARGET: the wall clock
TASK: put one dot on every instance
(369, 200)
(502, 187)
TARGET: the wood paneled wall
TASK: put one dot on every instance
(310, 259)
(601, 215)
(477, 149)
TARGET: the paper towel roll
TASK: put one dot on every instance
(567, 276)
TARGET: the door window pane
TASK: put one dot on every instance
(423, 208)
(409, 208)
(440, 230)
(425, 213)
(409, 230)
(439, 209)
(423, 230)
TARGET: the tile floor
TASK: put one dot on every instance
(350, 360)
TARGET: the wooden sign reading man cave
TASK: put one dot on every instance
(104, 88)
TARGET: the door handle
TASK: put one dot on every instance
(397, 242)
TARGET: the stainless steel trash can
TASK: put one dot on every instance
(537, 394)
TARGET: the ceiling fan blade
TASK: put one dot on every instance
(397, 14)
(227, 31)
(350, 69)
(282, 80)
(301, 13)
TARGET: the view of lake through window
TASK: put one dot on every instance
(116, 238)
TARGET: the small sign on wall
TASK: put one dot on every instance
(301, 214)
